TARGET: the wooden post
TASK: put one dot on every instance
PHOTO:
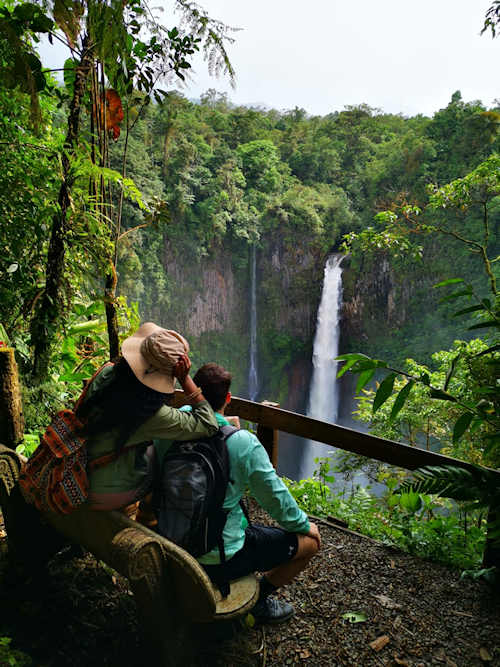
(11, 413)
(269, 437)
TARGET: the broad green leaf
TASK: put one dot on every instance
(410, 501)
(84, 327)
(384, 391)
(393, 500)
(351, 355)
(450, 281)
(484, 325)
(364, 379)
(349, 364)
(461, 425)
(361, 366)
(400, 399)
(69, 74)
(451, 371)
(470, 309)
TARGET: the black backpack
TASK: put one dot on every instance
(190, 492)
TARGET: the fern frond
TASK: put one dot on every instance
(478, 485)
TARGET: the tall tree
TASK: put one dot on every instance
(128, 48)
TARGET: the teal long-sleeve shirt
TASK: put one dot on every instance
(250, 468)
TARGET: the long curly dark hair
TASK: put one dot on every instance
(122, 402)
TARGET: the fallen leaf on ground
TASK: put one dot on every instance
(400, 661)
(387, 602)
(379, 643)
(485, 655)
(354, 617)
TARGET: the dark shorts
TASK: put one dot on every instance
(264, 548)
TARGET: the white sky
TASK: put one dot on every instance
(403, 56)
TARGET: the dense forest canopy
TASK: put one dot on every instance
(219, 176)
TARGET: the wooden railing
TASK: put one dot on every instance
(270, 419)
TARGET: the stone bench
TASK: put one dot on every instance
(171, 589)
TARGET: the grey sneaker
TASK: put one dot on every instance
(271, 610)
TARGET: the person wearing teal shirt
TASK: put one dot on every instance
(281, 553)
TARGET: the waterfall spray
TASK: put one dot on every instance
(324, 391)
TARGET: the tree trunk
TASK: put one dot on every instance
(44, 324)
(111, 316)
(11, 413)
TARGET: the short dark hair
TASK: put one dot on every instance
(214, 382)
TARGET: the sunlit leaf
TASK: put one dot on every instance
(384, 391)
(364, 379)
(354, 617)
(400, 399)
(450, 281)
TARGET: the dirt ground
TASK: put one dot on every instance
(417, 613)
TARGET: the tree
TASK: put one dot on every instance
(112, 45)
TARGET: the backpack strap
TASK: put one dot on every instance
(227, 431)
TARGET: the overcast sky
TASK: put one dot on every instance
(403, 56)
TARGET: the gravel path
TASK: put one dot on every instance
(418, 613)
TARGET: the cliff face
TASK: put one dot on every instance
(208, 298)
(210, 304)
(374, 303)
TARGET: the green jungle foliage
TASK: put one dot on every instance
(422, 524)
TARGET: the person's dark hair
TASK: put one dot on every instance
(214, 382)
(122, 402)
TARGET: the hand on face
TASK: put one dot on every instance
(182, 367)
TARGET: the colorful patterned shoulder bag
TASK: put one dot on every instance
(55, 477)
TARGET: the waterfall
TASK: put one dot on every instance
(324, 394)
(253, 377)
